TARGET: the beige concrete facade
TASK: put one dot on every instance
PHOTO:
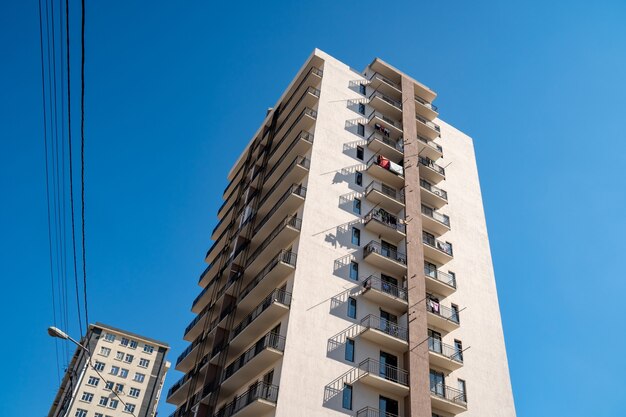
(124, 377)
(317, 300)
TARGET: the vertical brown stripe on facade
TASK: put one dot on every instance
(418, 401)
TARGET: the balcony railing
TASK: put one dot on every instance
(426, 103)
(296, 189)
(189, 348)
(385, 80)
(430, 143)
(302, 135)
(277, 295)
(447, 313)
(389, 100)
(440, 276)
(429, 123)
(427, 162)
(393, 254)
(385, 163)
(450, 394)
(283, 256)
(194, 322)
(391, 192)
(435, 190)
(270, 340)
(435, 215)
(392, 329)
(388, 372)
(386, 119)
(374, 283)
(259, 391)
(396, 144)
(289, 221)
(433, 242)
(451, 352)
(373, 412)
(300, 160)
(179, 383)
(383, 216)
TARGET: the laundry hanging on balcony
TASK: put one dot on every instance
(395, 168)
(381, 129)
(433, 305)
(383, 162)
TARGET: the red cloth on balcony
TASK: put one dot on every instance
(383, 162)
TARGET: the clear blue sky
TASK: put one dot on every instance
(540, 86)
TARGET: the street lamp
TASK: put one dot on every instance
(56, 332)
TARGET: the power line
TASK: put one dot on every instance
(82, 153)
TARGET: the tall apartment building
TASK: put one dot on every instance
(350, 272)
(123, 379)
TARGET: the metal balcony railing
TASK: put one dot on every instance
(280, 296)
(270, 340)
(430, 143)
(289, 221)
(383, 216)
(388, 327)
(386, 119)
(426, 103)
(179, 383)
(189, 348)
(374, 283)
(450, 394)
(388, 372)
(304, 135)
(428, 123)
(283, 256)
(300, 160)
(443, 277)
(373, 412)
(396, 144)
(427, 162)
(391, 192)
(259, 391)
(433, 242)
(435, 215)
(296, 189)
(451, 352)
(435, 190)
(385, 80)
(193, 322)
(393, 254)
(447, 313)
(389, 100)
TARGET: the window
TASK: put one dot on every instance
(347, 397)
(119, 355)
(462, 389)
(360, 152)
(129, 358)
(133, 344)
(139, 377)
(356, 206)
(455, 313)
(105, 351)
(144, 362)
(113, 403)
(458, 350)
(123, 373)
(119, 387)
(98, 415)
(349, 355)
(358, 178)
(99, 366)
(354, 271)
(361, 108)
(352, 307)
(104, 401)
(93, 381)
(87, 397)
(362, 89)
(148, 348)
(360, 129)
(356, 236)
(115, 370)
(81, 413)
(124, 341)
(129, 408)
(108, 385)
(134, 392)
(109, 337)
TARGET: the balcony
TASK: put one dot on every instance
(287, 204)
(386, 104)
(260, 356)
(444, 356)
(269, 278)
(439, 282)
(225, 211)
(386, 171)
(276, 184)
(434, 221)
(387, 259)
(305, 121)
(435, 249)
(384, 333)
(427, 128)
(300, 145)
(387, 147)
(442, 317)
(430, 171)
(373, 412)
(428, 148)
(425, 108)
(178, 392)
(269, 310)
(384, 124)
(383, 84)
(433, 196)
(304, 94)
(387, 295)
(186, 360)
(385, 196)
(384, 224)
(385, 378)
(259, 400)
(281, 236)
(448, 399)
(194, 328)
